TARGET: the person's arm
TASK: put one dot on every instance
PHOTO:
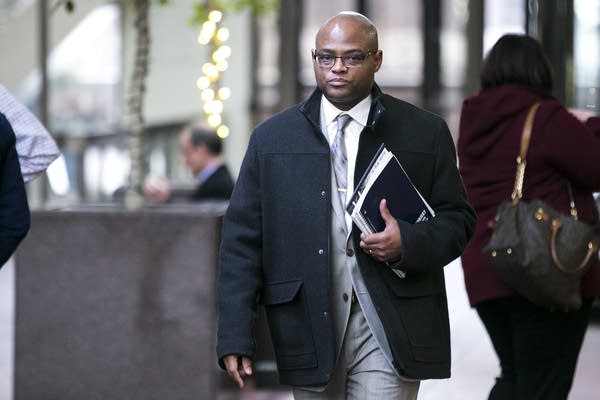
(238, 367)
(157, 189)
(14, 210)
(581, 114)
(434, 243)
(239, 280)
(35, 146)
(569, 145)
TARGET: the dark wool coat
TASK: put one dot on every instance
(277, 234)
(561, 150)
(14, 211)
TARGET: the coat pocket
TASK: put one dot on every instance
(420, 306)
(289, 324)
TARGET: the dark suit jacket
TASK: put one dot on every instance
(276, 243)
(14, 210)
(218, 186)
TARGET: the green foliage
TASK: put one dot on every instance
(203, 7)
(68, 5)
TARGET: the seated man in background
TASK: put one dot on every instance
(201, 149)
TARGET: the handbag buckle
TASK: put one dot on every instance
(540, 214)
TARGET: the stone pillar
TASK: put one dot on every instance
(474, 46)
(556, 35)
(431, 85)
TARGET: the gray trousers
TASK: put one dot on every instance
(362, 372)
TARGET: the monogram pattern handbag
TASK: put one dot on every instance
(539, 252)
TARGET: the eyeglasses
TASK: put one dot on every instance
(349, 60)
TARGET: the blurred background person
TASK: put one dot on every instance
(201, 149)
(537, 348)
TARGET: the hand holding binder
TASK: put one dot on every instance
(386, 179)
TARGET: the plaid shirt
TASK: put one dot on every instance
(35, 146)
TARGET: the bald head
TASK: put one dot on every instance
(348, 43)
(349, 21)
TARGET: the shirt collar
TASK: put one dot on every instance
(359, 113)
(206, 173)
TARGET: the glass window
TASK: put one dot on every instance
(453, 44)
(401, 39)
(84, 72)
(501, 17)
(586, 54)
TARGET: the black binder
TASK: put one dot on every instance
(385, 178)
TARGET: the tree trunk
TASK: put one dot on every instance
(136, 103)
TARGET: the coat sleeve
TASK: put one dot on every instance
(14, 210)
(435, 243)
(568, 145)
(239, 278)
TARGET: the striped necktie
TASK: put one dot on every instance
(339, 157)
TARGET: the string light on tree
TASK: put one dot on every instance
(212, 94)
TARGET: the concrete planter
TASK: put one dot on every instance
(117, 304)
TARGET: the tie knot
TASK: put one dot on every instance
(342, 121)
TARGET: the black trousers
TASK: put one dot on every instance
(537, 349)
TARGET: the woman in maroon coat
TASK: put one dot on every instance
(537, 349)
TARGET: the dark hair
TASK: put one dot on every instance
(517, 59)
(204, 137)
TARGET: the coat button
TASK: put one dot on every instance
(345, 297)
(323, 193)
(321, 252)
(349, 252)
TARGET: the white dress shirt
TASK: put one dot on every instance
(360, 115)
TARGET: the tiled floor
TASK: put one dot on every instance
(473, 365)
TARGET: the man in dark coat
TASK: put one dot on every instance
(363, 316)
(14, 210)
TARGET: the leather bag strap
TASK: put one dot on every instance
(591, 250)
(522, 162)
(522, 157)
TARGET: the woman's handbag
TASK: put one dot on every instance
(539, 252)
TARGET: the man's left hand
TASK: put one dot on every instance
(384, 246)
